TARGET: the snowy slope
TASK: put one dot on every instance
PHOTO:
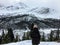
(16, 8)
(28, 42)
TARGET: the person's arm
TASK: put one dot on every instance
(31, 34)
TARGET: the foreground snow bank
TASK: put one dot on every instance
(28, 42)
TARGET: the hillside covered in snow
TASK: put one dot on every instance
(28, 42)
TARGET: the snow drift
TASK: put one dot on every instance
(28, 42)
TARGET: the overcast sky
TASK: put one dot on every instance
(31, 2)
(28, 1)
(15, 1)
(8, 2)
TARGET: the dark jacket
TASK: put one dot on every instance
(35, 35)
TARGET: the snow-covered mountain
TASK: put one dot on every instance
(13, 9)
(16, 6)
(20, 12)
(22, 8)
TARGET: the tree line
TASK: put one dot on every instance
(9, 37)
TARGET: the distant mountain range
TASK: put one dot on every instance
(23, 8)
(21, 16)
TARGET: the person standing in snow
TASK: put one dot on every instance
(34, 34)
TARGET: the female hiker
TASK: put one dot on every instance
(34, 34)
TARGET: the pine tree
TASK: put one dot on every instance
(43, 37)
(24, 38)
(51, 36)
(3, 36)
(9, 37)
(57, 35)
(16, 39)
(28, 36)
(0, 39)
(10, 34)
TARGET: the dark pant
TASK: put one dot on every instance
(34, 44)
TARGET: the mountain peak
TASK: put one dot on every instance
(15, 6)
(20, 5)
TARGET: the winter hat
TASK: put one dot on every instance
(35, 26)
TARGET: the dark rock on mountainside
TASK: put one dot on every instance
(22, 21)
